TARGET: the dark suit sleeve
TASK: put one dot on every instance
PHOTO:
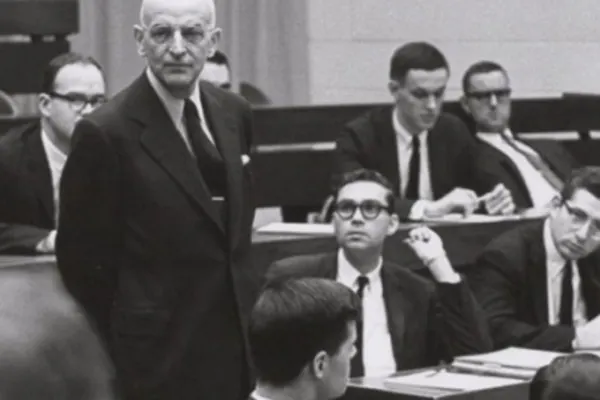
(20, 239)
(87, 232)
(496, 284)
(459, 323)
(349, 156)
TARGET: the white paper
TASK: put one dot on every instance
(473, 218)
(514, 357)
(298, 229)
(451, 380)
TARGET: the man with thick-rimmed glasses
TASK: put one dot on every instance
(32, 157)
(532, 171)
(539, 284)
(408, 321)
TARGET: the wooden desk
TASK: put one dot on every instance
(462, 242)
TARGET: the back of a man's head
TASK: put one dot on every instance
(572, 377)
(47, 348)
(296, 319)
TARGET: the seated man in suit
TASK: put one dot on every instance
(217, 70)
(32, 157)
(429, 156)
(539, 284)
(408, 322)
(572, 377)
(534, 172)
(302, 334)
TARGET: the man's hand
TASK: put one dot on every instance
(499, 201)
(46, 245)
(428, 246)
(458, 200)
(588, 336)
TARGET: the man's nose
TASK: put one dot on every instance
(493, 100)
(431, 102)
(177, 47)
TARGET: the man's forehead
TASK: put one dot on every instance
(79, 78)
(427, 79)
(363, 190)
(188, 12)
(585, 200)
(489, 80)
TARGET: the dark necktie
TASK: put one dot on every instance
(201, 145)
(414, 170)
(357, 367)
(566, 298)
(537, 162)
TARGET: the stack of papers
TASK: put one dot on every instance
(297, 229)
(512, 362)
(446, 380)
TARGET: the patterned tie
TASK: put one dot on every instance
(357, 367)
(414, 170)
(538, 163)
(566, 298)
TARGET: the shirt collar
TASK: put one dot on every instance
(404, 137)
(507, 132)
(554, 259)
(55, 156)
(173, 105)
(348, 274)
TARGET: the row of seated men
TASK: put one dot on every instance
(524, 290)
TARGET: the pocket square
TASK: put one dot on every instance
(245, 159)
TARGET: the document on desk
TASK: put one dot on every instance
(512, 362)
(455, 381)
(297, 229)
(473, 218)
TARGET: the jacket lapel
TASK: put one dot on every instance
(387, 154)
(589, 269)
(38, 172)
(437, 160)
(223, 128)
(538, 275)
(163, 143)
(396, 305)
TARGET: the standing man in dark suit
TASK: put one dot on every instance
(428, 156)
(534, 171)
(540, 283)
(156, 217)
(302, 334)
(32, 156)
(408, 322)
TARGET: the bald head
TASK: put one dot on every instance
(150, 9)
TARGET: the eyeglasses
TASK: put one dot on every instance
(79, 102)
(580, 218)
(163, 34)
(370, 209)
(499, 94)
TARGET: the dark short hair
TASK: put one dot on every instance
(219, 58)
(570, 377)
(480, 67)
(293, 320)
(48, 349)
(416, 55)
(60, 61)
(368, 175)
(586, 178)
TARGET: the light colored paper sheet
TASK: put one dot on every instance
(450, 380)
(297, 229)
(513, 357)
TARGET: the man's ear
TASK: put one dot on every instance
(464, 104)
(44, 104)
(138, 35)
(215, 38)
(320, 364)
(394, 224)
(393, 87)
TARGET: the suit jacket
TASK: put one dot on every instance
(26, 203)
(503, 170)
(143, 248)
(370, 142)
(428, 323)
(509, 281)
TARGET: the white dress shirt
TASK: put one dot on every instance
(404, 145)
(554, 271)
(256, 396)
(378, 355)
(56, 162)
(174, 108)
(540, 190)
